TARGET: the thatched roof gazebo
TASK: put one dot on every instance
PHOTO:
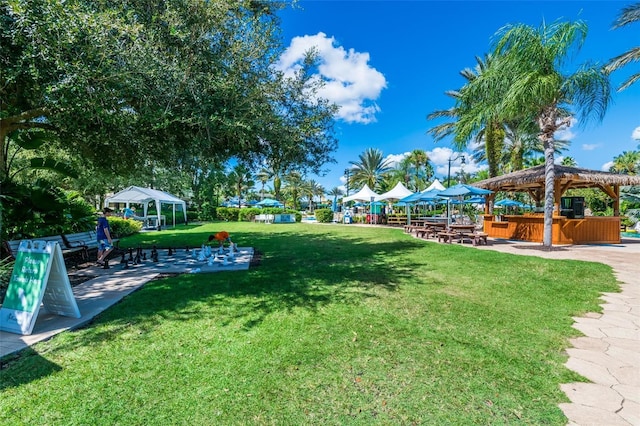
(565, 230)
(531, 181)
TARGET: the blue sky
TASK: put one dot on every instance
(389, 63)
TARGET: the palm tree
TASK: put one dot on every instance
(335, 192)
(240, 179)
(627, 163)
(569, 161)
(488, 129)
(369, 168)
(263, 176)
(527, 81)
(403, 171)
(628, 15)
(310, 188)
(293, 187)
(419, 159)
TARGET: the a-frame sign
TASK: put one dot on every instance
(39, 278)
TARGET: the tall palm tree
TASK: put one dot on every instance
(240, 178)
(488, 129)
(403, 171)
(369, 168)
(294, 186)
(420, 160)
(263, 176)
(336, 193)
(529, 80)
(310, 188)
(628, 15)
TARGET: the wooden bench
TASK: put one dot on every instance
(70, 254)
(74, 247)
(422, 232)
(446, 236)
(479, 238)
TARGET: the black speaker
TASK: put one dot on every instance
(572, 207)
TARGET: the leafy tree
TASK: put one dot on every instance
(528, 82)
(369, 169)
(569, 161)
(156, 80)
(628, 15)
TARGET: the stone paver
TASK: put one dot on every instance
(609, 353)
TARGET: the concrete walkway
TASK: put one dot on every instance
(609, 352)
(109, 286)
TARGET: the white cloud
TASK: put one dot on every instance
(636, 133)
(394, 159)
(439, 158)
(565, 133)
(607, 166)
(350, 81)
(590, 146)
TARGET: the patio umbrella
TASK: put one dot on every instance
(460, 191)
(508, 203)
(269, 202)
(475, 200)
(419, 197)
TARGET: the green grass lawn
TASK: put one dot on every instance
(337, 325)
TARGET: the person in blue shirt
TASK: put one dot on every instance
(128, 213)
(105, 242)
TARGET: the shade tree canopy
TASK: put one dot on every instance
(123, 84)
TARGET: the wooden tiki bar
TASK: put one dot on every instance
(568, 228)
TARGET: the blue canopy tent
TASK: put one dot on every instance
(460, 191)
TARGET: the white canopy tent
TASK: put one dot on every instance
(397, 193)
(139, 195)
(435, 185)
(365, 194)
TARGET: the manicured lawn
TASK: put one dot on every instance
(337, 325)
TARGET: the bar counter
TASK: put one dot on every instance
(530, 227)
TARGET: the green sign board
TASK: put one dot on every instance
(28, 274)
(39, 276)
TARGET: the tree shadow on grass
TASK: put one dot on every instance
(34, 366)
(298, 270)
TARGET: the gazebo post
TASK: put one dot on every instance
(616, 200)
(557, 195)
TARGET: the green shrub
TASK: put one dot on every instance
(122, 227)
(248, 214)
(208, 212)
(192, 215)
(229, 214)
(324, 215)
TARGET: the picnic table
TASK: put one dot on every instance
(461, 232)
